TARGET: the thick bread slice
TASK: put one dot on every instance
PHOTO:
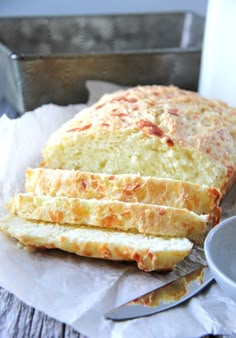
(144, 218)
(127, 188)
(151, 131)
(150, 253)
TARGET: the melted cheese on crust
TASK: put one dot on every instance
(151, 131)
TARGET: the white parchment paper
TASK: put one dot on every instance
(78, 290)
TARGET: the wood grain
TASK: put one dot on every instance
(18, 320)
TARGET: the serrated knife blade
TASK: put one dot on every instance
(164, 297)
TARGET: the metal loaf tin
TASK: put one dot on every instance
(49, 59)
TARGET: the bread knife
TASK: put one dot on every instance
(165, 297)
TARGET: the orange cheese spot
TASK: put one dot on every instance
(83, 184)
(87, 249)
(104, 124)
(152, 129)
(137, 257)
(56, 216)
(110, 221)
(173, 111)
(87, 126)
(119, 114)
(100, 106)
(170, 142)
(162, 212)
(105, 252)
(130, 99)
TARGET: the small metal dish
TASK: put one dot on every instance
(220, 251)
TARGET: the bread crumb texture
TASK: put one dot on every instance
(143, 218)
(134, 177)
(150, 253)
(150, 131)
(124, 187)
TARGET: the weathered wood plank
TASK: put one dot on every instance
(18, 320)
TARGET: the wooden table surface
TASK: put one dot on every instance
(17, 320)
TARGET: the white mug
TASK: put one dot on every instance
(218, 64)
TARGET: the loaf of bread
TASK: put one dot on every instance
(126, 188)
(126, 216)
(150, 131)
(134, 177)
(150, 253)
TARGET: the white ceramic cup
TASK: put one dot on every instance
(218, 65)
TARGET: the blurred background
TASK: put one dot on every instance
(70, 7)
(44, 60)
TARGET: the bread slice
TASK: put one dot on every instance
(151, 131)
(144, 218)
(150, 253)
(125, 187)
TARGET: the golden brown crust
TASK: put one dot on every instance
(192, 138)
(150, 253)
(144, 218)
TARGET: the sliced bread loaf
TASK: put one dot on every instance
(125, 187)
(150, 253)
(144, 218)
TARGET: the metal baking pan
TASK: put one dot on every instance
(49, 59)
